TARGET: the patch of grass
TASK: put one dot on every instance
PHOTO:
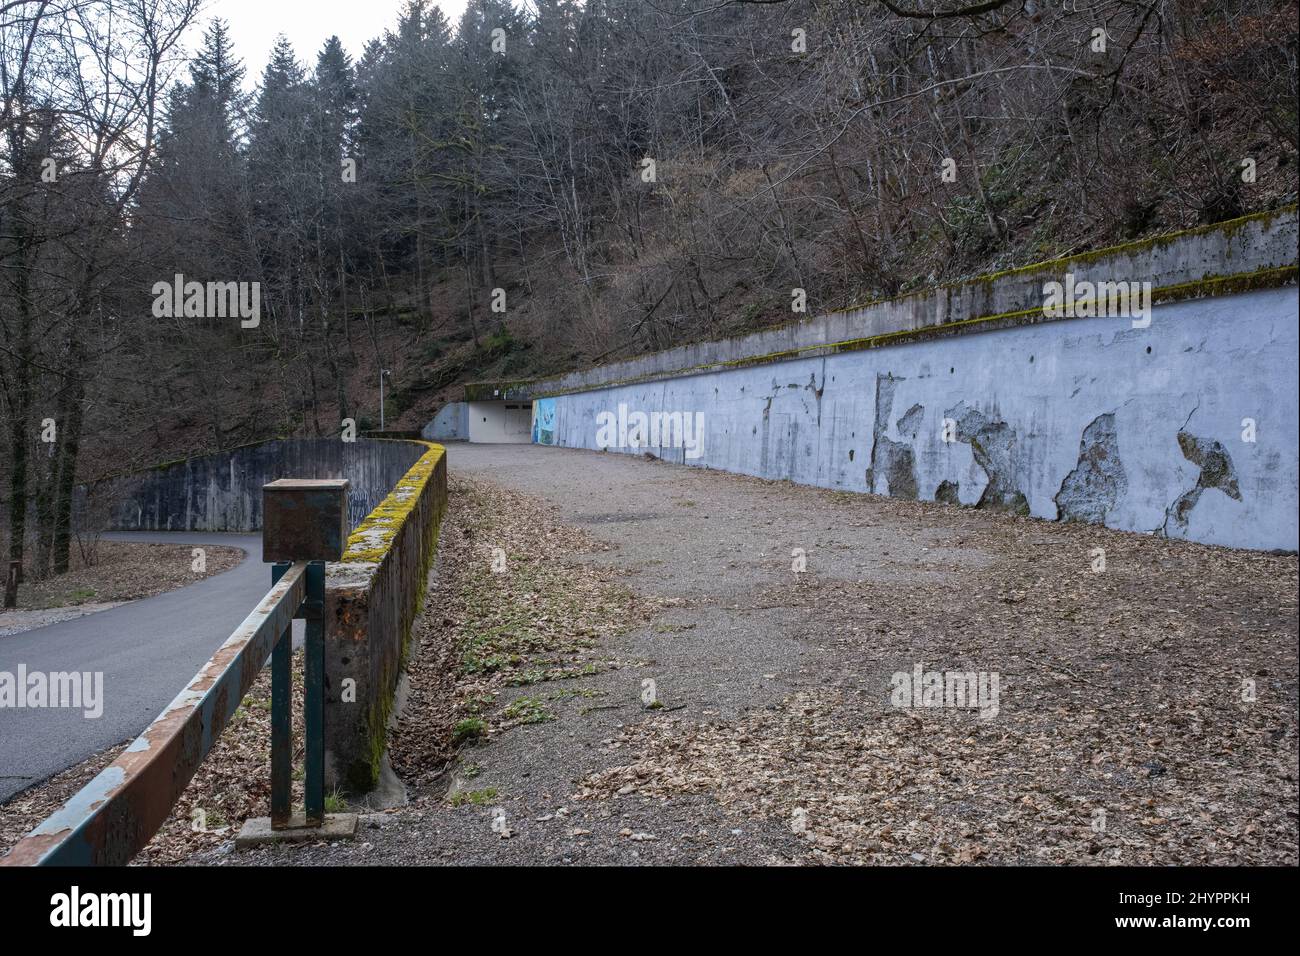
(527, 710)
(471, 728)
(334, 802)
(533, 675)
(472, 663)
(214, 820)
(538, 675)
(473, 797)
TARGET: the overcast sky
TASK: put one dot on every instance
(254, 25)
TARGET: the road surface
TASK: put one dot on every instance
(147, 651)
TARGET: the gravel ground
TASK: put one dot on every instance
(17, 621)
(1146, 714)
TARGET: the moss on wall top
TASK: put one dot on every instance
(370, 542)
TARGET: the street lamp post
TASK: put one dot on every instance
(382, 373)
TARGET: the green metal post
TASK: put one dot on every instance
(314, 699)
(281, 717)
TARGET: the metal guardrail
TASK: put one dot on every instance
(110, 819)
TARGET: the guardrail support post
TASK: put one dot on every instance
(281, 718)
(303, 520)
(314, 698)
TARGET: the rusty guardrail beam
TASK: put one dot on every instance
(112, 817)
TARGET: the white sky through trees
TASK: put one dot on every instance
(254, 25)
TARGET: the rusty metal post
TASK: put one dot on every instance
(281, 718)
(302, 520)
(313, 609)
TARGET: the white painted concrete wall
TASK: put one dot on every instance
(1026, 396)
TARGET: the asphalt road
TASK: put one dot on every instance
(147, 651)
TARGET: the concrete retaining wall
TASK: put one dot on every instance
(451, 423)
(223, 491)
(1253, 251)
(1186, 427)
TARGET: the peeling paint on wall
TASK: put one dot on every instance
(993, 443)
(910, 424)
(1216, 473)
(894, 460)
(1074, 420)
(1098, 481)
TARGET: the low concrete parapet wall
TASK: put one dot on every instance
(372, 597)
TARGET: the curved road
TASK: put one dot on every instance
(147, 650)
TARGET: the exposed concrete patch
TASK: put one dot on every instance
(947, 492)
(901, 473)
(817, 391)
(1090, 492)
(1217, 471)
(993, 444)
(895, 460)
(910, 423)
